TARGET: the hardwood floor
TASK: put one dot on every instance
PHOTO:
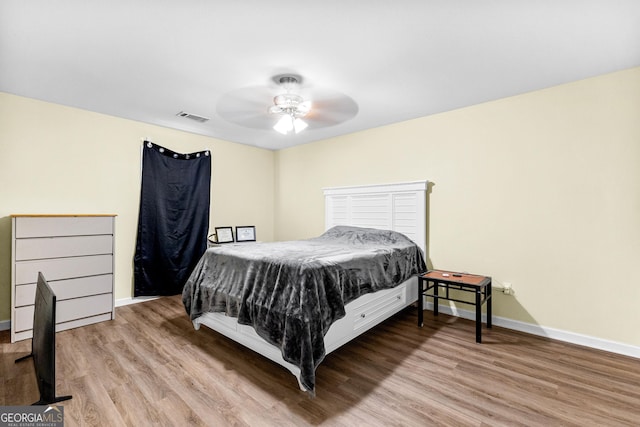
(150, 367)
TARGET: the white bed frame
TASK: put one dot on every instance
(400, 207)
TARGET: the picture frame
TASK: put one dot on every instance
(246, 233)
(212, 240)
(224, 234)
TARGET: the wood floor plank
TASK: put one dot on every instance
(151, 367)
(91, 404)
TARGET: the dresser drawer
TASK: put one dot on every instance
(23, 318)
(83, 322)
(60, 247)
(66, 289)
(67, 310)
(63, 268)
(57, 226)
(77, 308)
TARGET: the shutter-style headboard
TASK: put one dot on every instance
(401, 207)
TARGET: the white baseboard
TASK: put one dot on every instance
(6, 324)
(133, 300)
(543, 331)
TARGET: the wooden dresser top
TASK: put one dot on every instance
(57, 215)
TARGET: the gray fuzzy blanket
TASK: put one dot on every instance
(291, 292)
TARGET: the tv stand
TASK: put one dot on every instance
(42, 401)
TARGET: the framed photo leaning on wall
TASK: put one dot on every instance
(246, 233)
(224, 234)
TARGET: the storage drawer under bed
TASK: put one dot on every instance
(378, 307)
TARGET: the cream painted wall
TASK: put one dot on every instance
(56, 159)
(541, 190)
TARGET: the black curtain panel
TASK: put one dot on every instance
(173, 220)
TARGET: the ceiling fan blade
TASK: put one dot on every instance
(248, 106)
(330, 111)
(305, 107)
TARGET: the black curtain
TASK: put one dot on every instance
(173, 220)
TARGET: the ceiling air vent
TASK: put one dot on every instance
(193, 117)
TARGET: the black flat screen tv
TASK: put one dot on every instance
(43, 343)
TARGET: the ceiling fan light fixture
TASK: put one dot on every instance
(299, 125)
(284, 125)
(290, 105)
(288, 123)
(287, 100)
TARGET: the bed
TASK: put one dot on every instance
(294, 302)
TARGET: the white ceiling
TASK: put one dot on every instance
(147, 60)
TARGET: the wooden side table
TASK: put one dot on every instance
(430, 283)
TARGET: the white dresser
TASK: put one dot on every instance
(75, 254)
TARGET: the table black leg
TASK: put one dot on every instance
(420, 303)
(436, 290)
(478, 315)
(489, 298)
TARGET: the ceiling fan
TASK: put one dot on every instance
(286, 105)
(290, 107)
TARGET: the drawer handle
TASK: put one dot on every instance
(398, 297)
(363, 315)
